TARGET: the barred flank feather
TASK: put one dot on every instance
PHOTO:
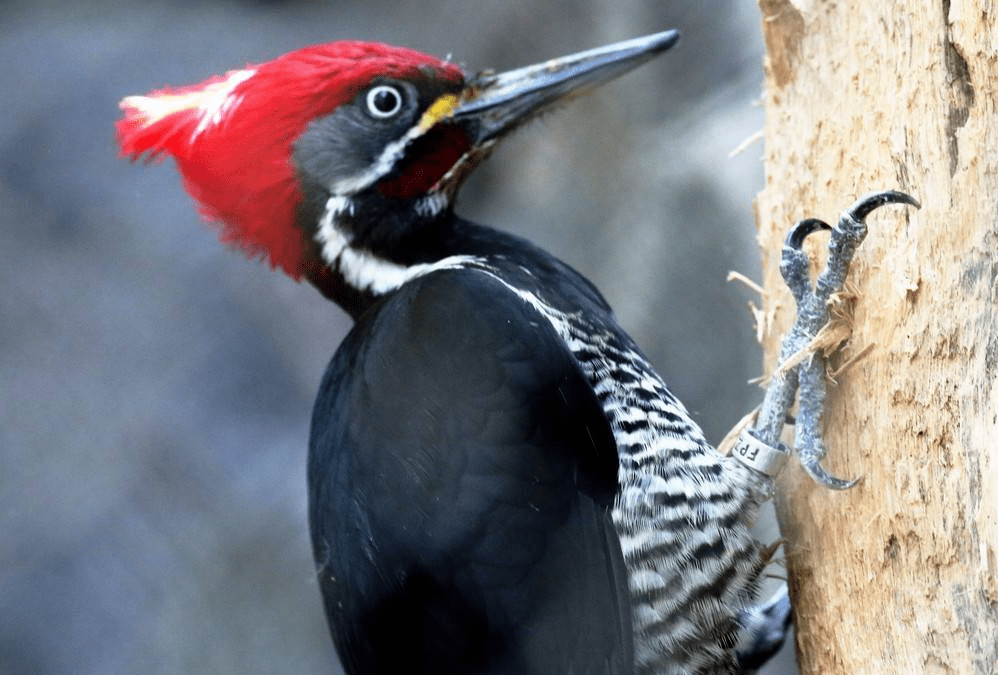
(683, 512)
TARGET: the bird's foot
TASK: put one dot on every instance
(764, 629)
(808, 374)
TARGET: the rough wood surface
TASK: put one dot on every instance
(899, 574)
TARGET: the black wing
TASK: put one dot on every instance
(461, 473)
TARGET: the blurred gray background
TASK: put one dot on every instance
(155, 388)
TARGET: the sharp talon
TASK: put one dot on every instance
(794, 262)
(807, 381)
(870, 202)
(799, 232)
(825, 479)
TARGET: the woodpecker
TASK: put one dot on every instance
(498, 479)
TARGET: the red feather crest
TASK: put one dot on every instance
(231, 136)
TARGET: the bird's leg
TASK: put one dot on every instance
(760, 447)
(764, 629)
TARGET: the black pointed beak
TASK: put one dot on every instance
(498, 103)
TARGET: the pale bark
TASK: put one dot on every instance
(899, 574)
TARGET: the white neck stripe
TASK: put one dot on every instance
(364, 270)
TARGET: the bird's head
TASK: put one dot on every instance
(349, 145)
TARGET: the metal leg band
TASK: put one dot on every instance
(760, 456)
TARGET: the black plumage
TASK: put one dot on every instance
(461, 474)
(499, 481)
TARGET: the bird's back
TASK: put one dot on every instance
(461, 482)
(678, 509)
(682, 511)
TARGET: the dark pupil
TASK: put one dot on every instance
(385, 101)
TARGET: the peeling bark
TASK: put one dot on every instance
(899, 574)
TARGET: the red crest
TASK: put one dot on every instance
(232, 135)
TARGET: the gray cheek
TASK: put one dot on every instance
(335, 147)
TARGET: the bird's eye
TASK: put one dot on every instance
(384, 101)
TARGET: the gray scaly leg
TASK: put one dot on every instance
(760, 447)
(765, 626)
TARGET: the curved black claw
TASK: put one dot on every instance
(807, 433)
(868, 203)
(807, 379)
(822, 477)
(802, 230)
(794, 262)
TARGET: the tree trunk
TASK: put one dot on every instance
(900, 573)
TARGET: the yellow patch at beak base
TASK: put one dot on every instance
(442, 108)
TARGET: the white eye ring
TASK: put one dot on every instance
(384, 101)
